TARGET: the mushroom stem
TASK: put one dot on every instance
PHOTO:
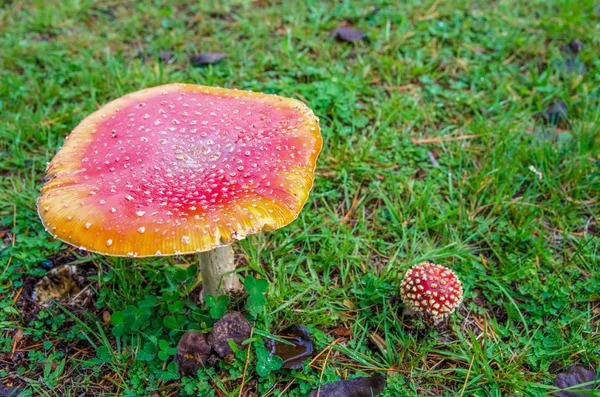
(218, 272)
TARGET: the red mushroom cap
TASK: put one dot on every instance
(431, 289)
(181, 168)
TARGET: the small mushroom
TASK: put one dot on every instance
(431, 290)
(181, 168)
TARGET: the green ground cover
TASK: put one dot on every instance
(460, 132)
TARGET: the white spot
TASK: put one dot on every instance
(108, 242)
(88, 225)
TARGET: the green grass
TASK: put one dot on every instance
(470, 73)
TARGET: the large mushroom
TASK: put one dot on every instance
(178, 169)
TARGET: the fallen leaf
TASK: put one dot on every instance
(555, 114)
(165, 56)
(295, 355)
(573, 48)
(207, 58)
(342, 331)
(420, 174)
(572, 377)
(348, 35)
(18, 336)
(232, 326)
(433, 156)
(379, 342)
(193, 352)
(9, 391)
(572, 62)
(358, 387)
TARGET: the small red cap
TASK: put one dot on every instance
(431, 289)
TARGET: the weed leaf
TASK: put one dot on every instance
(170, 322)
(217, 306)
(255, 289)
(103, 354)
(117, 318)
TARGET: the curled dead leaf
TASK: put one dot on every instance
(295, 354)
(358, 387)
(207, 58)
(342, 331)
(348, 35)
(555, 114)
(572, 378)
(165, 56)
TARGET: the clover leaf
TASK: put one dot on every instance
(218, 306)
(265, 362)
(256, 299)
